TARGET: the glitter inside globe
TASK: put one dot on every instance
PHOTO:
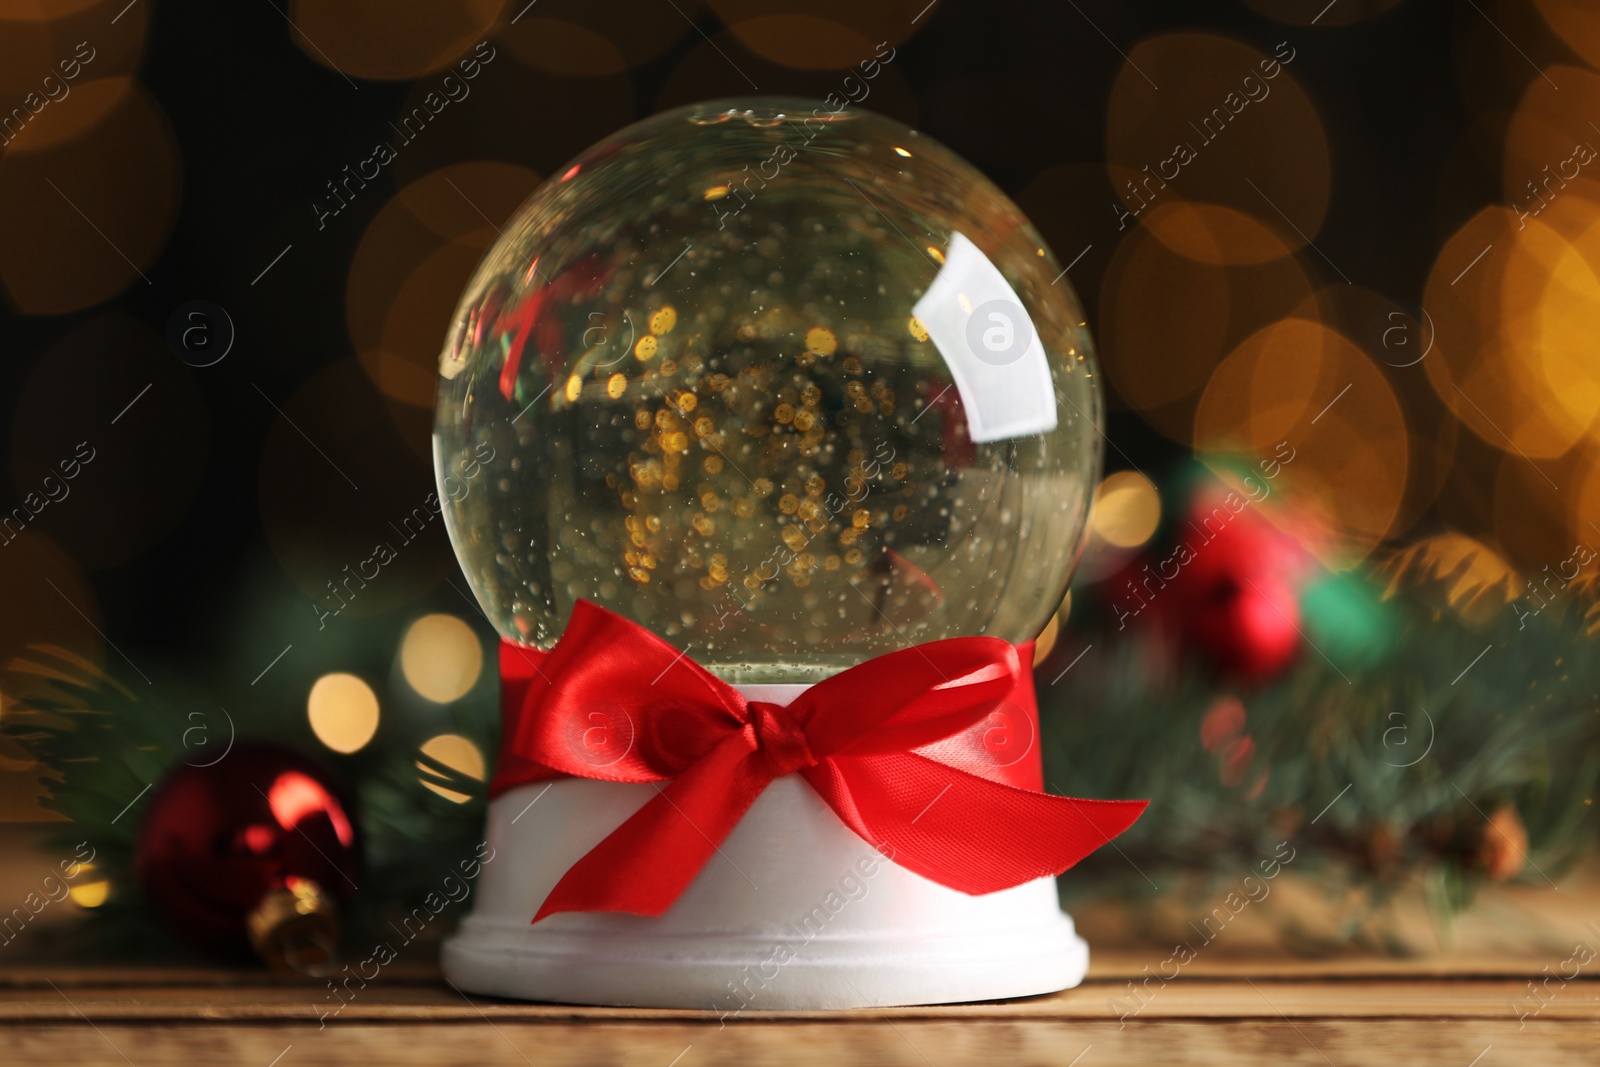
(789, 387)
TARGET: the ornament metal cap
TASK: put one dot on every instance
(295, 929)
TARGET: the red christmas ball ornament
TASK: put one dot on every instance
(1227, 588)
(256, 850)
(1248, 629)
(1239, 599)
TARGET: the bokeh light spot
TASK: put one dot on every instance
(441, 658)
(1126, 510)
(87, 211)
(343, 711)
(563, 48)
(1225, 113)
(1160, 363)
(803, 41)
(457, 753)
(89, 894)
(390, 39)
(1300, 412)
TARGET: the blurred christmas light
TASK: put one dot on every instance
(69, 42)
(803, 41)
(563, 48)
(1511, 299)
(343, 711)
(1223, 722)
(89, 894)
(85, 105)
(1399, 335)
(457, 753)
(104, 152)
(423, 243)
(1550, 150)
(1224, 110)
(1212, 233)
(49, 602)
(1126, 509)
(1160, 364)
(1313, 419)
(890, 23)
(1576, 22)
(1478, 579)
(441, 658)
(386, 39)
(638, 32)
(1345, 618)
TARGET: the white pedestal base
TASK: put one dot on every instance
(795, 912)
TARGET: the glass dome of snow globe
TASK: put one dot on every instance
(789, 386)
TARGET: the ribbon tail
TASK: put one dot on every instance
(960, 830)
(648, 861)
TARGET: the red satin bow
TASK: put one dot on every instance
(662, 717)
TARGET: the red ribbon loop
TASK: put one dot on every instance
(614, 702)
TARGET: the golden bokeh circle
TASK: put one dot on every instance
(48, 48)
(887, 21)
(390, 39)
(1398, 336)
(1471, 578)
(1549, 307)
(75, 115)
(343, 712)
(1202, 117)
(1301, 412)
(639, 32)
(87, 212)
(1511, 300)
(1549, 143)
(1577, 23)
(1168, 319)
(564, 48)
(441, 658)
(1218, 235)
(49, 603)
(1070, 205)
(410, 267)
(803, 41)
(457, 753)
(1126, 510)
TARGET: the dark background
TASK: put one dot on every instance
(162, 544)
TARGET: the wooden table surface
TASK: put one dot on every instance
(1229, 1011)
(1461, 997)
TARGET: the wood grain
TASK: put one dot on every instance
(915, 1043)
(153, 1017)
